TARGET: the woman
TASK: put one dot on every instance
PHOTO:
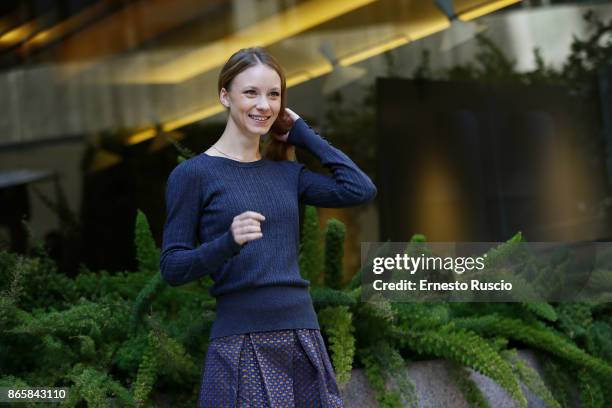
(265, 347)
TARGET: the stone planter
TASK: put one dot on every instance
(436, 388)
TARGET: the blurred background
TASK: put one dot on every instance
(475, 119)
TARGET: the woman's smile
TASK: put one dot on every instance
(260, 119)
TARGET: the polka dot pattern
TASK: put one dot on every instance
(283, 368)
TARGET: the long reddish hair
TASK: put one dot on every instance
(248, 57)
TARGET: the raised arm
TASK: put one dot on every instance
(182, 261)
(348, 186)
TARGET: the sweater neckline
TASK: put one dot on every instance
(236, 163)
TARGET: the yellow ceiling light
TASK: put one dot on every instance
(485, 9)
(18, 34)
(141, 136)
(68, 25)
(193, 117)
(425, 31)
(325, 68)
(395, 42)
(297, 79)
(269, 31)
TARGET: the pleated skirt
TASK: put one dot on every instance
(284, 368)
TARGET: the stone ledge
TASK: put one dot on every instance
(435, 387)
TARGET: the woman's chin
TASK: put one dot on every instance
(259, 130)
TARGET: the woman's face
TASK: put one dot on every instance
(254, 99)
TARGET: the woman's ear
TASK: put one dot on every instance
(223, 98)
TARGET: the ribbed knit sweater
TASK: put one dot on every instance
(257, 285)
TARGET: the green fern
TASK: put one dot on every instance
(468, 387)
(9, 298)
(530, 378)
(337, 323)
(591, 392)
(560, 381)
(173, 360)
(147, 252)
(323, 297)
(311, 249)
(394, 365)
(184, 152)
(377, 379)
(465, 348)
(147, 371)
(575, 318)
(144, 299)
(95, 388)
(539, 337)
(356, 280)
(422, 316)
(541, 309)
(599, 340)
(334, 252)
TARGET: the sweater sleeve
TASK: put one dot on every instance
(348, 186)
(182, 261)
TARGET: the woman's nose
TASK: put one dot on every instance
(263, 103)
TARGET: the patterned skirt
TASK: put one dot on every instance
(284, 368)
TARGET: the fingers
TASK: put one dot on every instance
(292, 114)
(252, 237)
(250, 214)
(247, 226)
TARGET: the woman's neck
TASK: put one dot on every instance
(238, 146)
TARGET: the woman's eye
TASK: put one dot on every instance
(250, 91)
(275, 94)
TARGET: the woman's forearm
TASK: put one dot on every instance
(348, 186)
(181, 264)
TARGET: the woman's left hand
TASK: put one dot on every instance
(294, 116)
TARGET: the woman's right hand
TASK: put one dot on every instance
(247, 226)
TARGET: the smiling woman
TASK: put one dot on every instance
(265, 345)
(252, 87)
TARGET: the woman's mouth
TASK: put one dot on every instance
(259, 118)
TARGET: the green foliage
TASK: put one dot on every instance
(390, 359)
(530, 378)
(311, 249)
(357, 277)
(147, 370)
(422, 316)
(148, 260)
(575, 318)
(324, 297)
(537, 336)
(337, 323)
(95, 387)
(9, 298)
(80, 337)
(466, 348)
(377, 379)
(147, 253)
(559, 380)
(599, 340)
(15, 383)
(334, 252)
(144, 299)
(468, 387)
(59, 331)
(590, 389)
(67, 332)
(418, 238)
(541, 309)
(184, 152)
(174, 360)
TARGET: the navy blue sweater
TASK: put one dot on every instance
(257, 285)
